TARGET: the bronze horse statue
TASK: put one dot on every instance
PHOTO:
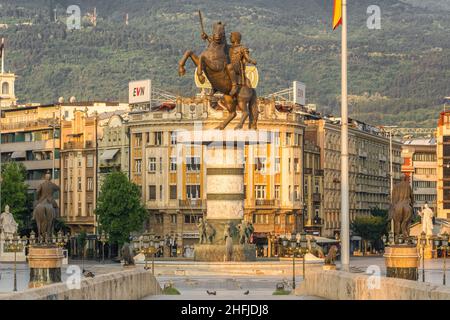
(44, 214)
(401, 213)
(213, 63)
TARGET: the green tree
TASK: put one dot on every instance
(369, 228)
(14, 193)
(119, 208)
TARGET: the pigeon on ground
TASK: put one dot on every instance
(88, 274)
(211, 292)
(247, 292)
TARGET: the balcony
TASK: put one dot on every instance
(318, 172)
(382, 157)
(265, 202)
(362, 154)
(191, 203)
(79, 144)
(308, 170)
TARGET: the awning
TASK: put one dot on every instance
(18, 154)
(108, 154)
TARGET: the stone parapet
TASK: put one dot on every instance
(129, 284)
(339, 285)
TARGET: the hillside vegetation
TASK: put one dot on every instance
(397, 75)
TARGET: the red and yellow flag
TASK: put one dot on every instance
(337, 13)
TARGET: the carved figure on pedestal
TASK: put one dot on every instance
(8, 226)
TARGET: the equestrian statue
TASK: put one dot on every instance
(401, 210)
(224, 66)
(46, 209)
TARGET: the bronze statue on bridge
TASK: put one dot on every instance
(224, 66)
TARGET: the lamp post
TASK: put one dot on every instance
(15, 244)
(147, 244)
(297, 244)
(442, 243)
(104, 238)
(423, 243)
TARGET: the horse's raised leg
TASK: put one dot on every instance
(200, 66)
(230, 104)
(188, 54)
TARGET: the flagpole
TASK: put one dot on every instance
(345, 214)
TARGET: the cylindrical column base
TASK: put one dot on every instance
(45, 265)
(402, 261)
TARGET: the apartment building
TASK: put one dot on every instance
(443, 165)
(420, 166)
(173, 175)
(369, 168)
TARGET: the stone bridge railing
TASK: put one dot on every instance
(131, 284)
(339, 285)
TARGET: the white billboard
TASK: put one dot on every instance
(140, 91)
(299, 93)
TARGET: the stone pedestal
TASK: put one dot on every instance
(402, 261)
(224, 160)
(45, 265)
(218, 253)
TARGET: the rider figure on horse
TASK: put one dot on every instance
(45, 193)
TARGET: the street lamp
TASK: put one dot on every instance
(104, 238)
(15, 244)
(442, 243)
(423, 243)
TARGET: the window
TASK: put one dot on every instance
(173, 219)
(173, 163)
(152, 192)
(90, 161)
(151, 164)
(160, 192)
(138, 166)
(173, 137)
(159, 219)
(193, 163)
(192, 218)
(421, 156)
(305, 190)
(289, 219)
(277, 165)
(260, 192)
(158, 138)
(160, 165)
(296, 192)
(90, 184)
(173, 192)
(193, 191)
(90, 209)
(428, 171)
(298, 139)
(79, 209)
(277, 191)
(260, 218)
(79, 160)
(288, 138)
(296, 165)
(277, 219)
(276, 138)
(260, 164)
(79, 184)
(316, 185)
(138, 139)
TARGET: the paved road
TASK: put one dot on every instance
(226, 288)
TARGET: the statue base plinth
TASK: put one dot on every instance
(45, 265)
(329, 267)
(402, 261)
(218, 253)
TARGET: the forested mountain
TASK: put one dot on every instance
(397, 75)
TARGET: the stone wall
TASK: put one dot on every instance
(339, 285)
(129, 284)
